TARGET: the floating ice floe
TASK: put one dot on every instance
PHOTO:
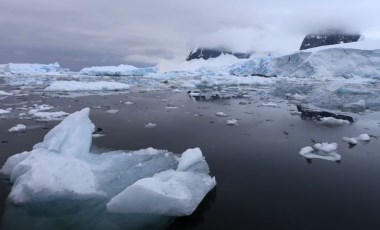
(220, 114)
(150, 125)
(324, 151)
(120, 70)
(145, 181)
(3, 93)
(41, 112)
(270, 104)
(331, 121)
(86, 86)
(232, 122)
(17, 128)
(355, 140)
(3, 111)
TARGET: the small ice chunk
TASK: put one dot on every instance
(150, 125)
(221, 114)
(350, 140)
(97, 135)
(331, 121)
(171, 107)
(364, 137)
(232, 122)
(17, 128)
(112, 111)
(3, 111)
(326, 147)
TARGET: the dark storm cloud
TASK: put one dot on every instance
(93, 32)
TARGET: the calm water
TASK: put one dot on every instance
(262, 181)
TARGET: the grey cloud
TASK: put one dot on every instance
(95, 32)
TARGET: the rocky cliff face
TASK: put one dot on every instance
(324, 39)
(206, 53)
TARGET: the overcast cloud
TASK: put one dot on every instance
(80, 33)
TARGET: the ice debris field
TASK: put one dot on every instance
(145, 181)
(344, 76)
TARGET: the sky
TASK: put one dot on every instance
(82, 33)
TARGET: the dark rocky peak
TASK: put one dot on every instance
(328, 38)
(206, 53)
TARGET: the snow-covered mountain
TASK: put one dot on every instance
(206, 53)
(329, 38)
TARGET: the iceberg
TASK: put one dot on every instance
(14, 68)
(120, 70)
(62, 167)
(170, 193)
(324, 151)
(72, 86)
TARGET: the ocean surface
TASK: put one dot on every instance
(262, 181)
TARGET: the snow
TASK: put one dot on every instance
(86, 86)
(150, 125)
(17, 128)
(331, 121)
(144, 181)
(365, 44)
(120, 70)
(14, 68)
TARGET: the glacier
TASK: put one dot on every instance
(24, 68)
(120, 70)
(61, 167)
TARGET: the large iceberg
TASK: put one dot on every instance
(62, 168)
(120, 70)
(17, 68)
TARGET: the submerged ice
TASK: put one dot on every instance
(62, 167)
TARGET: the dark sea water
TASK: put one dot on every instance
(262, 181)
